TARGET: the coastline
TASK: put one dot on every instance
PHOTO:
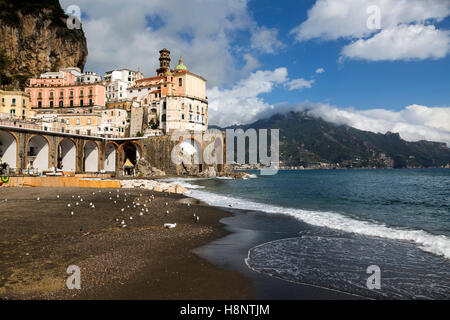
(142, 261)
(194, 261)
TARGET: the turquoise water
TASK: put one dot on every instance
(345, 221)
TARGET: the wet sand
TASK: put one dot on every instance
(40, 239)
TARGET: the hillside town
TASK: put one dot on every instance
(122, 103)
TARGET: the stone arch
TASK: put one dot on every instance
(111, 157)
(91, 156)
(67, 155)
(9, 148)
(126, 149)
(37, 153)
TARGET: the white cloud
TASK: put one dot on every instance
(334, 19)
(242, 102)
(299, 84)
(320, 70)
(266, 40)
(130, 34)
(405, 31)
(413, 123)
(405, 42)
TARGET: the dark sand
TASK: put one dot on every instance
(40, 239)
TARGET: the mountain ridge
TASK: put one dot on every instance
(311, 142)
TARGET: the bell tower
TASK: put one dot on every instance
(164, 62)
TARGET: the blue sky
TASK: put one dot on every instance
(260, 57)
(361, 84)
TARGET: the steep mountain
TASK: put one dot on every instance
(312, 142)
(34, 38)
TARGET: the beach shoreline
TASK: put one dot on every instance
(39, 239)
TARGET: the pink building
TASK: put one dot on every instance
(61, 90)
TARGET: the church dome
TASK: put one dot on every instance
(180, 66)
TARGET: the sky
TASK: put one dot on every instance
(377, 65)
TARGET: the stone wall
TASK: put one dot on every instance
(157, 151)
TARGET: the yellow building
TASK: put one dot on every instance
(85, 124)
(15, 104)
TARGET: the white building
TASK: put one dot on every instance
(89, 77)
(118, 81)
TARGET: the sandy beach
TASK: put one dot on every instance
(39, 239)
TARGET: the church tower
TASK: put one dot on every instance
(164, 62)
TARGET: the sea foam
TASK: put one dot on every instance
(436, 244)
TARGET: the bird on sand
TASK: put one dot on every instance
(170, 225)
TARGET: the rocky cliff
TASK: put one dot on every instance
(34, 38)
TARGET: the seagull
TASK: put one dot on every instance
(170, 225)
(124, 226)
(131, 218)
(194, 215)
(57, 196)
(93, 206)
(141, 214)
(167, 204)
(198, 219)
(188, 204)
(167, 212)
(71, 213)
(122, 210)
(123, 222)
(77, 204)
(68, 205)
(38, 199)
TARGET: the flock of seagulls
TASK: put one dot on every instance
(138, 204)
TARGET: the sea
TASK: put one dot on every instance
(377, 234)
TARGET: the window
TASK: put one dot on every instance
(23, 113)
(190, 117)
(190, 107)
(13, 101)
(89, 121)
(67, 121)
(61, 104)
(81, 93)
(78, 120)
(23, 101)
(81, 103)
(180, 82)
(51, 104)
(13, 111)
(3, 100)
(90, 92)
(61, 94)
(71, 93)
(40, 95)
(39, 104)
(62, 120)
(182, 116)
(71, 103)
(51, 94)
(91, 102)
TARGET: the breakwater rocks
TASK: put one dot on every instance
(153, 185)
